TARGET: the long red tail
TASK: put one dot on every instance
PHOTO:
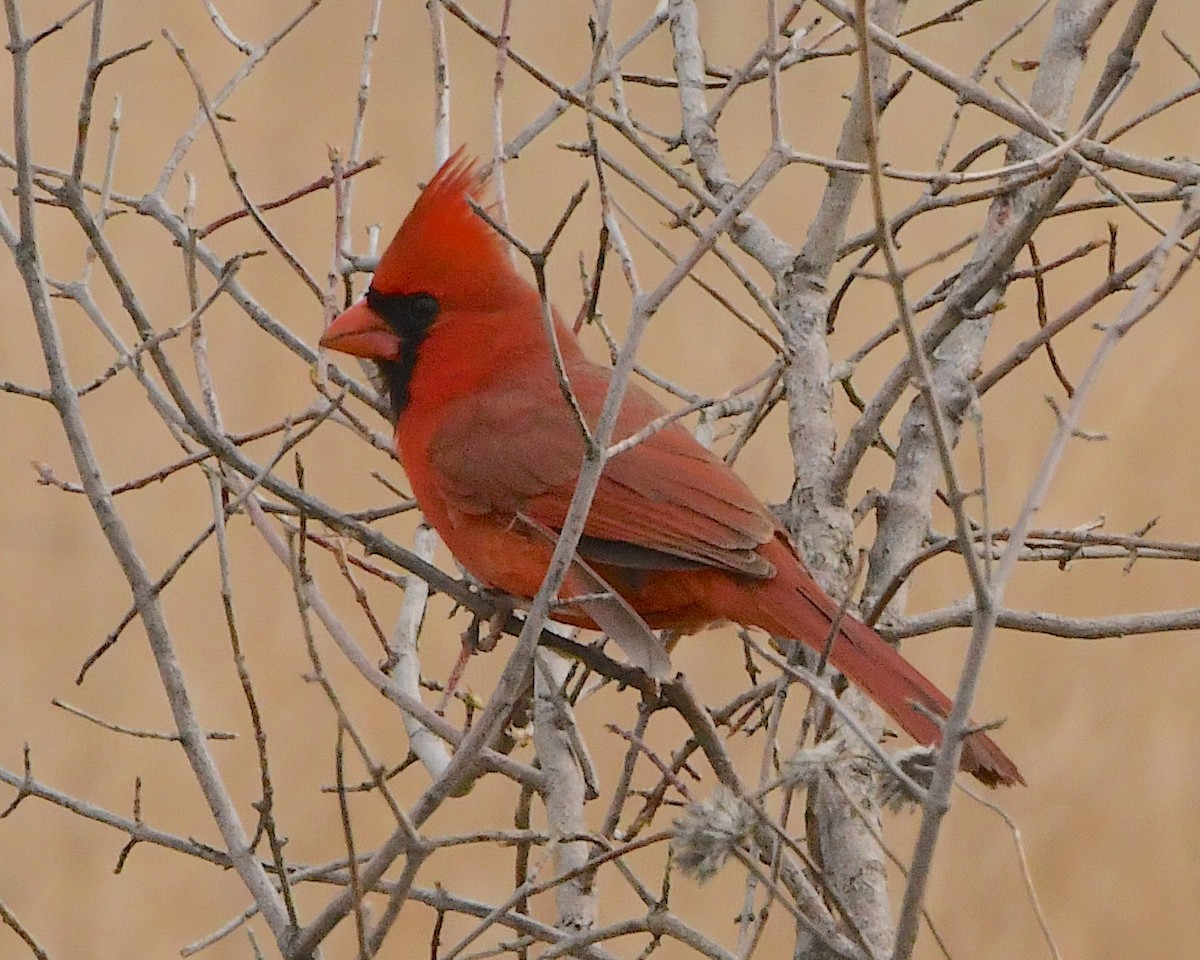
(792, 605)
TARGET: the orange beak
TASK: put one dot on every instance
(361, 332)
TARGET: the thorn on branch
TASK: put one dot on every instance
(137, 819)
(134, 732)
(1084, 529)
(321, 183)
(887, 96)
(25, 789)
(1133, 549)
(48, 478)
(55, 27)
(874, 499)
(1089, 435)
(119, 55)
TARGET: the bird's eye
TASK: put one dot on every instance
(409, 314)
(424, 307)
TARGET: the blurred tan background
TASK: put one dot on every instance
(1107, 733)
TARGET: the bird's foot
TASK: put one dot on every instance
(475, 641)
(502, 608)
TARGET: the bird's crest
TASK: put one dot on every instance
(444, 248)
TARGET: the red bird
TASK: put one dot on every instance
(493, 452)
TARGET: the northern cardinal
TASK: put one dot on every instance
(493, 452)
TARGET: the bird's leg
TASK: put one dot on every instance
(473, 641)
(460, 666)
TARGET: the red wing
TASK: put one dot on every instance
(666, 495)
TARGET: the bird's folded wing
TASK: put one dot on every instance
(663, 500)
